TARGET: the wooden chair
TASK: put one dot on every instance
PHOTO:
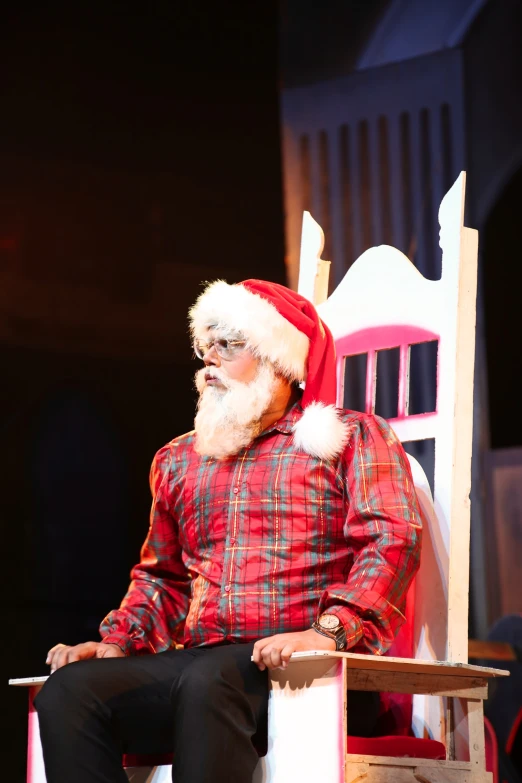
(382, 303)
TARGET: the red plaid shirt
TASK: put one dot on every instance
(263, 542)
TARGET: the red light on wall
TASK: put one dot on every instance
(8, 243)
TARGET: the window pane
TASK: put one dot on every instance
(423, 377)
(387, 392)
(355, 381)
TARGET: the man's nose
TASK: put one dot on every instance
(211, 358)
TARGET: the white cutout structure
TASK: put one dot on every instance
(384, 302)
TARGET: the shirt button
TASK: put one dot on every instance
(227, 588)
(236, 490)
(232, 541)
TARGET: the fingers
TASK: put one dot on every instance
(263, 651)
(51, 652)
(81, 651)
(278, 655)
(55, 656)
(257, 654)
(286, 654)
(62, 654)
(273, 652)
(272, 657)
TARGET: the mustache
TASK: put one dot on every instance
(210, 372)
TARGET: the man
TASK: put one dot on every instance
(280, 524)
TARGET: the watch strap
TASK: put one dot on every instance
(339, 635)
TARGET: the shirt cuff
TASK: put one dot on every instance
(122, 641)
(351, 623)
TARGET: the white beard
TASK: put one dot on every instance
(229, 419)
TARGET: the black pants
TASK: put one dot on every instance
(208, 705)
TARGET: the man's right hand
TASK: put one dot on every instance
(61, 654)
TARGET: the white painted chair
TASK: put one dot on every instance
(384, 302)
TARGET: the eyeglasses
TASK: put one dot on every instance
(225, 349)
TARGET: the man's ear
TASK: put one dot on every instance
(279, 373)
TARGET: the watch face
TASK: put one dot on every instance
(329, 622)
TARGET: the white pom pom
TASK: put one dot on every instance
(320, 432)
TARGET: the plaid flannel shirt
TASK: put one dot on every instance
(263, 542)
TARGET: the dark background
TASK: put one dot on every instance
(139, 156)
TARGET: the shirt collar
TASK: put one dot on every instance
(285, 425)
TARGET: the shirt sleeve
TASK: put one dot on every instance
(152, 615)
(383, 530)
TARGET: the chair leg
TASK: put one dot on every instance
(477, 743)
(35, 764)
(306, 722)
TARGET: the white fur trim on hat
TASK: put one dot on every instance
(320, 432)
(235, 308)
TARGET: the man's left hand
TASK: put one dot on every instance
(275, 651)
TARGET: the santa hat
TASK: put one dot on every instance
(282, 326)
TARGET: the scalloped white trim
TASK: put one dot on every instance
(320, 432)
(233, 307)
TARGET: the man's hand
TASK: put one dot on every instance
(275, 651)
(61, 654)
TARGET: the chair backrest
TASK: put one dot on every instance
(384, 303)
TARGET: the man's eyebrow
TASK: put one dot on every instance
(225, 334)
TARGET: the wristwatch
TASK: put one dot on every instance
(330, 625)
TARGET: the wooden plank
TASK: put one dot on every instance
(419, 426)
(432, 775)
(367, 663)
(28, 681)
(477, 751)
(313, 271)
(495, 651)
(375, 773)
(401, 682)
(404, 381)
(406, 761)
(387, 663)
(371, 382)
(462, 411)
(450, 729)
(461, 729)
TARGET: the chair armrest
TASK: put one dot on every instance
(405, 675)
(29, 682)
(406, 665)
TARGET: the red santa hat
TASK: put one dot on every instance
(282, 326)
